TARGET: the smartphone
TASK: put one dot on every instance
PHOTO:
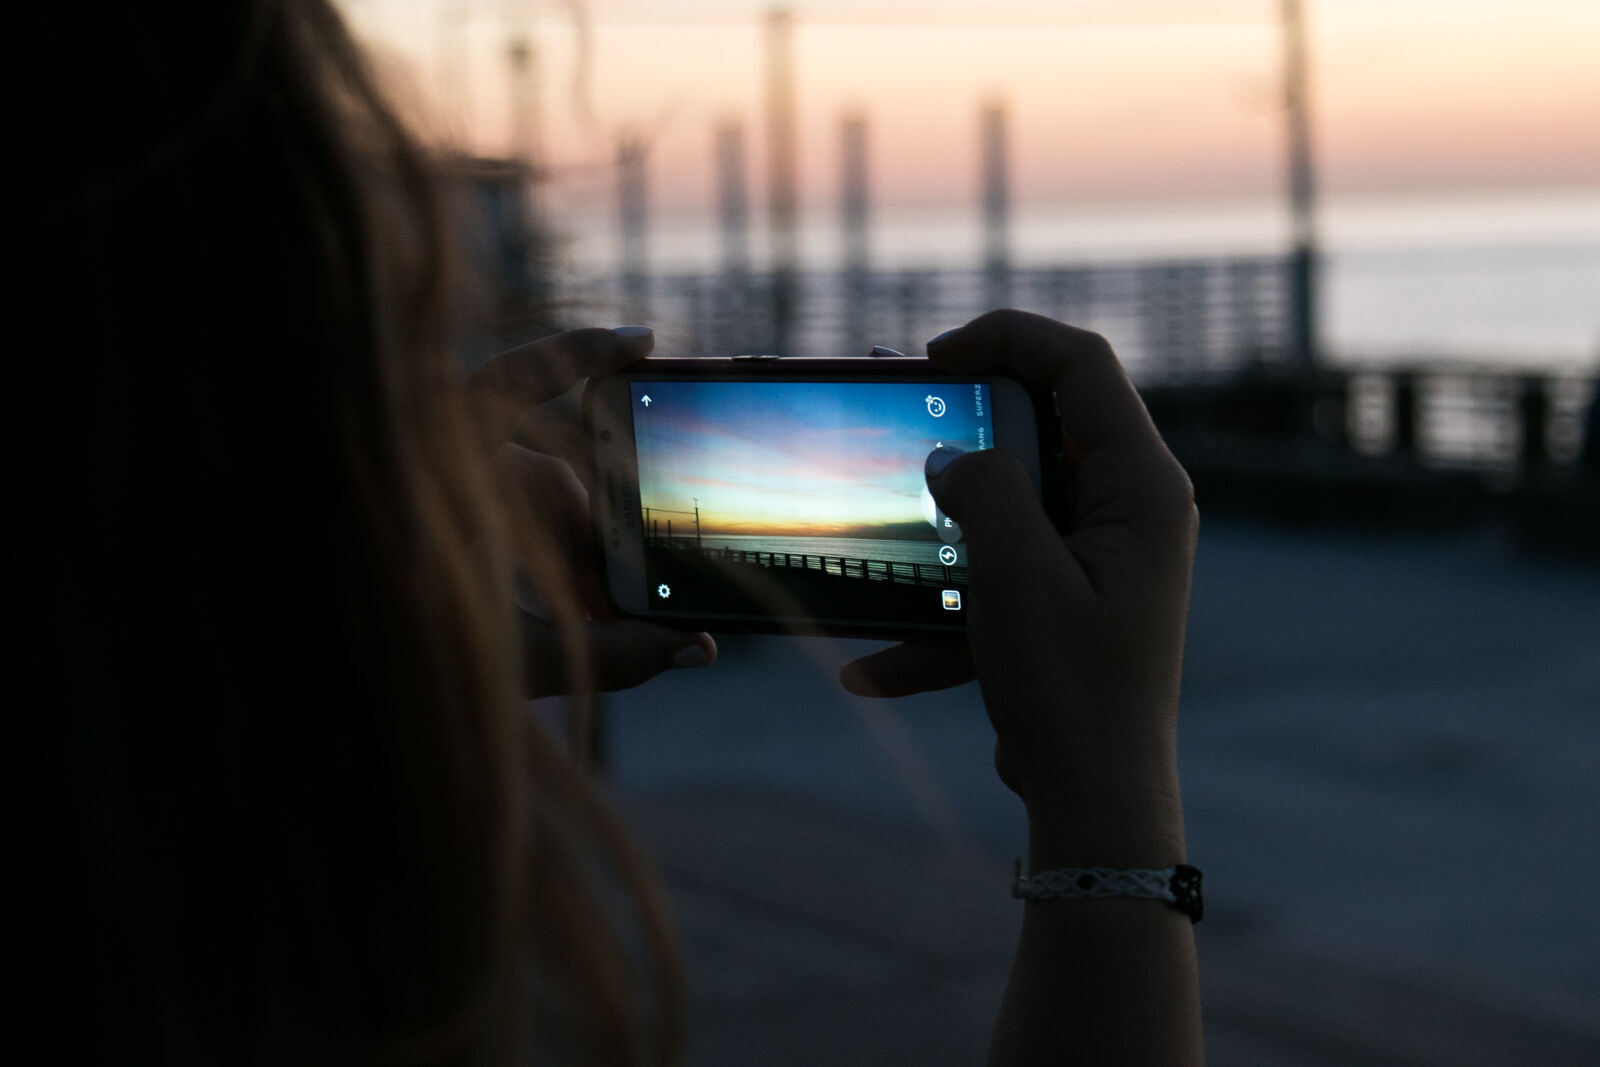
(787, 494)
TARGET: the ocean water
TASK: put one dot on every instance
(1519, 304)
(1501, 279)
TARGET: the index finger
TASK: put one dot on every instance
(516, 381)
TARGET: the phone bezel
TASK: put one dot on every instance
(1023, 417)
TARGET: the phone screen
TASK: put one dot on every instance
(802, 499)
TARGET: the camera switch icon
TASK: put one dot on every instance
(951, 598)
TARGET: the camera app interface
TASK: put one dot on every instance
(802, 499)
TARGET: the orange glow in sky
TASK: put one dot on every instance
(1180, 102)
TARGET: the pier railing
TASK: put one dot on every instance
(1207, 338)
(1171, 319)
(934, 575)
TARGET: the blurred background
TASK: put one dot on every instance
(1351, 254)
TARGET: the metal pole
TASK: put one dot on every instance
(732, 298)
(631, 186)
(523, 63)
(853, 197)
(853, 190)
(996, 208)
(782, 183)
(733, 203)
(455, 63)
(1302, 195)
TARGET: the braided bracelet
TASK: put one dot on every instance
(1178, 885)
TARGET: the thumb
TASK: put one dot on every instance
(630, 652)
(605, 656)
(1020, 573)
(990, 496)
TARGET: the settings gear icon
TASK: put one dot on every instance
(663, 590)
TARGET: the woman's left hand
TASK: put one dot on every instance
(571, 640)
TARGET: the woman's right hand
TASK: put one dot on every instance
(1076, 639)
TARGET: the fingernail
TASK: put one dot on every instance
(693, 655)
(942, 336)
(632, 333)
(885, 350)
(940, 458)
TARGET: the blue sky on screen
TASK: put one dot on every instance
(797, 458)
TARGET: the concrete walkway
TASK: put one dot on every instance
(1388, 748)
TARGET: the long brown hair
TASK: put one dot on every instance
(308, 819)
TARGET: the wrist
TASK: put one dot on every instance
(1130, 826)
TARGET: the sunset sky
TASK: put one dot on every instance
(1132, 101)
(796, 459)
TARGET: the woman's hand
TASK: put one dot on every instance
(1076, 640)
(571, 641)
